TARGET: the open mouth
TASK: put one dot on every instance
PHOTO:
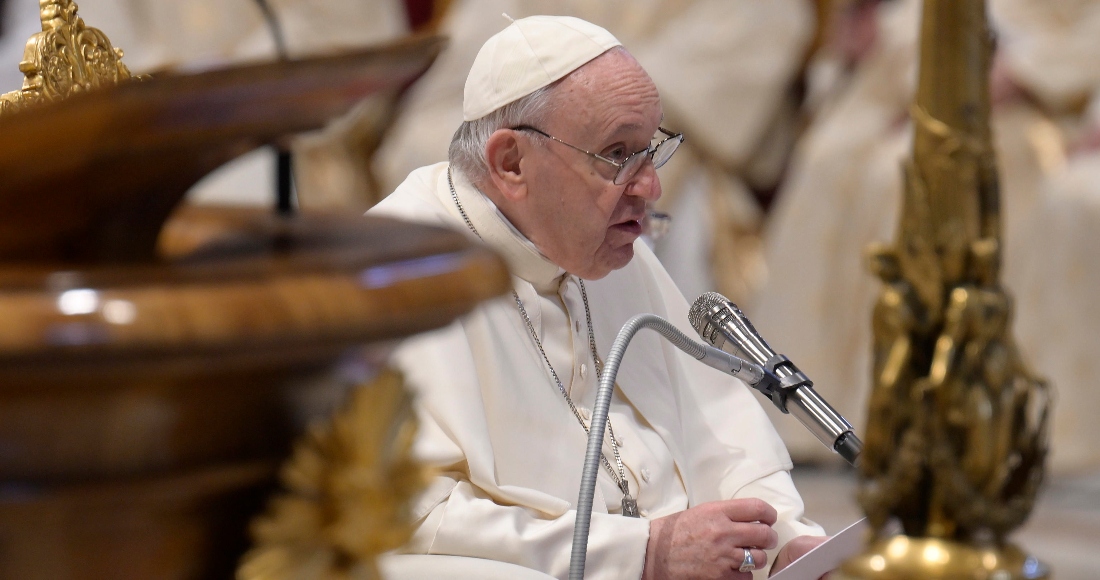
(629, 226)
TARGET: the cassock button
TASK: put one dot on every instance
(645, 475)
(584, 371)
(585, 413)
(644, 513)
(577, 325)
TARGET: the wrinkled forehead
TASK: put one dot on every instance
(610, 92)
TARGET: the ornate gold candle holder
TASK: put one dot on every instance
(957, 430)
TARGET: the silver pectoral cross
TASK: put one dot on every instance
(630, 506)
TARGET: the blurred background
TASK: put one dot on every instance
(796, 119)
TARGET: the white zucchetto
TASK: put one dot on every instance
(530, 53)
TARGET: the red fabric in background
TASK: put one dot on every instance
(419, 12)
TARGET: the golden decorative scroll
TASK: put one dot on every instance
(349, 483)
(958, 426)
(66, 58)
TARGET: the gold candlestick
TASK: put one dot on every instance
(957, 430)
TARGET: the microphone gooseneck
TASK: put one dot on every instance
(721, 324)
(713, 357)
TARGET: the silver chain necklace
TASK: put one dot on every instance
(629, 504)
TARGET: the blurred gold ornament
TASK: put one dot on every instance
(66, 58)
(349, 483)
(957, 431)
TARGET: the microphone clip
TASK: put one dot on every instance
(777, 389)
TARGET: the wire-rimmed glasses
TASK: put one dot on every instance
(628, 167)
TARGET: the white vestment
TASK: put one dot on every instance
(510, 450)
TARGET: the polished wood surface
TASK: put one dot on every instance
(258, 281)
(151, 432)
(181, 525)
(92, 178)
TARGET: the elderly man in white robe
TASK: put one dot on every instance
(553, 167)
(724, 68)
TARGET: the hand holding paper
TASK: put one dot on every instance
(824, 557)
(795, 549)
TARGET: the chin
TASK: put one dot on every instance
(611, 261)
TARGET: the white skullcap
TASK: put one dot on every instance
(530, 53)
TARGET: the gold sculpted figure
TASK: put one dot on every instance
(67, 57)
(349, 484)
(891, 454)
(895, 317)
(991, 411)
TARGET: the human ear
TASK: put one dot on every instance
(504, 151)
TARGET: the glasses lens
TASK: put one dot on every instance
(630, 167)
(665, 150)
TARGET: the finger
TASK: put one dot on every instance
(760, 557)
(754, 535)
(749, 510)
(760, 561)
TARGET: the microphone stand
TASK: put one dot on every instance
(284, 177)
(709, 355)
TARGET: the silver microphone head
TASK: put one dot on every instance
(720, 323)
(699, 317)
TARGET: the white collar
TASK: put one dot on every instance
(523, 258)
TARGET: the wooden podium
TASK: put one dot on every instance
(156, 362)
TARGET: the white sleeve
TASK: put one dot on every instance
(469, 523)
(778, 490)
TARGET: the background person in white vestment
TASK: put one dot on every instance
(840, 194)
(845, 185)
(1052, 56)
(553, 166)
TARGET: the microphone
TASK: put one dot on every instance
(720, 323)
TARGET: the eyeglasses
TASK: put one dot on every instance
(629, 166)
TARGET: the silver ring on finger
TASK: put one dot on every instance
(748, 564)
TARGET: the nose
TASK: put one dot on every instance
(645, 184)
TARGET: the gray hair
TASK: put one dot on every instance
(467, 150)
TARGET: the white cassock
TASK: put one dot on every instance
(510, 449)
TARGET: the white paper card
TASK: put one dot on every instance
(830, 554)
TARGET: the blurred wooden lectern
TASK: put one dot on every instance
(157, 363)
